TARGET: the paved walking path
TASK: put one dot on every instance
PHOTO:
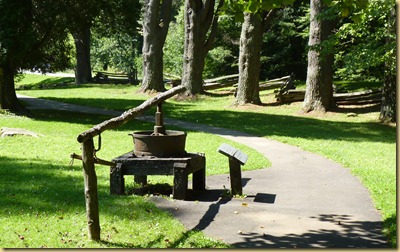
(302, 201)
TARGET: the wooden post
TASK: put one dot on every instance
(91, 195)
(235, 176)
(236, 159)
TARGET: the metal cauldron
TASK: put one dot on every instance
(170, 144)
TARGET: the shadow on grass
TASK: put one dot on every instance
(36, 185)
(49, 83)
(84, 119)
(106, 103)
(258, 124)
(36, 189)
(266, 125)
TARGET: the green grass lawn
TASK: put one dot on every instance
(359, 142)
(42, 203)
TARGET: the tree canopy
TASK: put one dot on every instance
(33, 35)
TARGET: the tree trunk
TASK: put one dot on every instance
(8, 97)
(319, 89)
(388, 108)
(200, 21)
(83, 71)
(155, 28)
(249, 60)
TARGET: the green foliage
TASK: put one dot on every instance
(33, 35)
(348, 7)
(173, 47)
(224, 57)
(237, 8)
(117, 51)
(116, 41)
(285, 42)
(216, 62)
(363, 44)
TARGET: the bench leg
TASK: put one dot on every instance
(117, 183)
(199, 176)
(180, 181)
(199, 180)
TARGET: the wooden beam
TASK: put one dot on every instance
(96, 160)
(129, 114)
(347, 95)
(235, 76)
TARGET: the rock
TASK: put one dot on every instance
(4, 132)
(351, 115)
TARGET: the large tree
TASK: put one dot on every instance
(255, 16)
(253, 28)
(32, 36)
(80, 15)
(324, 15)
(388, 107)
(157, 17)
(201, 20)
(319, 86)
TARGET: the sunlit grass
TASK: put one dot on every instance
(358, 142)
(43, 205)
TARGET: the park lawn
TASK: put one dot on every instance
(351, 136)
(42, 203)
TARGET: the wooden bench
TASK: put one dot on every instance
(141, 167)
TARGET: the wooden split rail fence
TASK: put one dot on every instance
(353, 98)
(232, 80)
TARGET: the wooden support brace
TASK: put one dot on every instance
(95, 159)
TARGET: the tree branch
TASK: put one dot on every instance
(165, 16)
(213, 32)
(268, 18)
